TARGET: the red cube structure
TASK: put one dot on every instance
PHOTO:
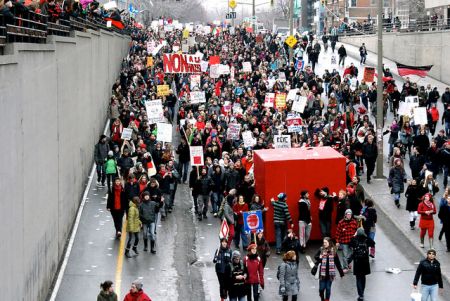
(292, 170)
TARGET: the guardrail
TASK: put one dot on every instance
(31, 27)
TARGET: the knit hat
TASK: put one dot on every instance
(138, 284)
(282, 196)
(360, 232)
(236, 254)
(348, 211)
(251, 246)
(110, 153)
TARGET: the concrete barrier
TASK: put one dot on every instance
(52, 109)
(416, 48)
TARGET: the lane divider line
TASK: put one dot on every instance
(120, 255)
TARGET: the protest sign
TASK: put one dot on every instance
(191, 41)
(204, 66)
(214, 60)
(195, 81)
(184, 48)
(299, 65)
(227, 106)
(181, 63)
(197, 97)
(282, 77)
(282, 141)
(154, 110)
(294, 124)
(149, 61)
(246, 67)
(369, 74)
(299, 103)
(110, 5)
(249, 141)
(197, 155)
(280, 101)
(163, 90)
(353, 84)
(253, 221)
(126, 134)
(333, 60)
(150, 46)
(224, 69)
(269, 100)
(157, 49)
(291, 94)
(214, 71)
(237, 109)
(420, 116)
(233, 131)
(185, 33)
(412, 100)
(164, 132)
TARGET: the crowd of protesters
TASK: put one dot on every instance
(142, 173)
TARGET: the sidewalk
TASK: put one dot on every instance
(394, 221)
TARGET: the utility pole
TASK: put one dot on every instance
(254, 16)
(291, 27)
(380, 111)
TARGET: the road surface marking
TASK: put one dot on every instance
(311, 263)
(120, 256)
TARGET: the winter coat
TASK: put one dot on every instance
(412, 195)
(222, 260)
(204, 185)
(131, 190)
(291, 244)
(231, 179)
(361, 266)
(101, 152)
(111, 166)
(148, 211)
(138, 296)
(444, 213)
(133, 221)
(183, 152)
(227, 212)
(304, 211)
(255, 270)
(289, 281)
(396, 180)
(103, 296)
(430, 273)
(238, 287)
(123, 200)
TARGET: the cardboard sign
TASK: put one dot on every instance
(333, 60)
(282, 141)
(181, 63)
(269, 100)
(299, 103)
(110, 5)
(185, 34)
(233, 131)
(353, 84)
(280, 101)
(158, 48)
(163, 90)
(253, 221)
(176, 47)
(197, 155)
(126, 134)
(214, 60)
(204, 66)
(164, 132)
(214, 71)
(249, 141)
(294, 124)
(232, 30)
(150, 46)
(406, 107)
(420, 115)
(195, 81)
(224, 69)
(237, 109)
(291, 94)
(246, 67)
(369, 74)
(282, 77)
(154, 110)
(191, 41)
(184, 48)
(227, 106)
(224, 229)
(299, 65)
(197, 97)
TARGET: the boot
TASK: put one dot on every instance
(412, 225)
(422, 239)
(135, 250)
(431, 243)
(145, 245)
(127, 253)
(152, 247)
(441, 234)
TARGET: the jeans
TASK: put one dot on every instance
(150, 231)
(396, 198)
(325, 228)
(447, 129)
(363, 59)
(346, 253)
(216, 200)
(361, 285)
(253, 288)
(341, 59)
(304, 230)
(325, 288)
(280, 233)
(239, 234)
(130, 238)
(203, 200)
(101, 173)
(167, 200)
(431, 291)
(109, 178)
(183, 170)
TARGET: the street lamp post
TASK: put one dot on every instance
(380, 111)
(291, 27)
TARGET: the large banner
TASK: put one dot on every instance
(181, 63)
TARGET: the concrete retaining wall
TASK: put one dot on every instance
(417, 49)
(52, 110)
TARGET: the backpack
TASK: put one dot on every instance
(361, 250)
(279, 270)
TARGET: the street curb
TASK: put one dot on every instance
(394, 231)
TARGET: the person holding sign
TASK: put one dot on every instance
(239, 208)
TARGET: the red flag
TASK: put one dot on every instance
(405, 70)
(214, 60)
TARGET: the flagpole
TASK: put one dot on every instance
(380, 111)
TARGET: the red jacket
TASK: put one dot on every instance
(422, 208)
(255, 270)
(237, 208)
(139, 296)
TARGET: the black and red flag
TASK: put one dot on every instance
(405, 70)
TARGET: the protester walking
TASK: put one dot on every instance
(255, 273)
(342, 52)
(304, 219)
(346, 229)
(412, 195)
(133, 227)
(396, 180)
(281, 215)
(222, 261)
(117, 204)
(444, 216)
(426, 209)
(137, 292)
(288, 277)
(148, 213)
(429, 271)
(238, 288)
(100, 155)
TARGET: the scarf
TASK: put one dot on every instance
(429, 204)
(308, 203)
(117, 192)
(329, 255)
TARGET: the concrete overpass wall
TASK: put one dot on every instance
(418, 48)
(52, 109)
